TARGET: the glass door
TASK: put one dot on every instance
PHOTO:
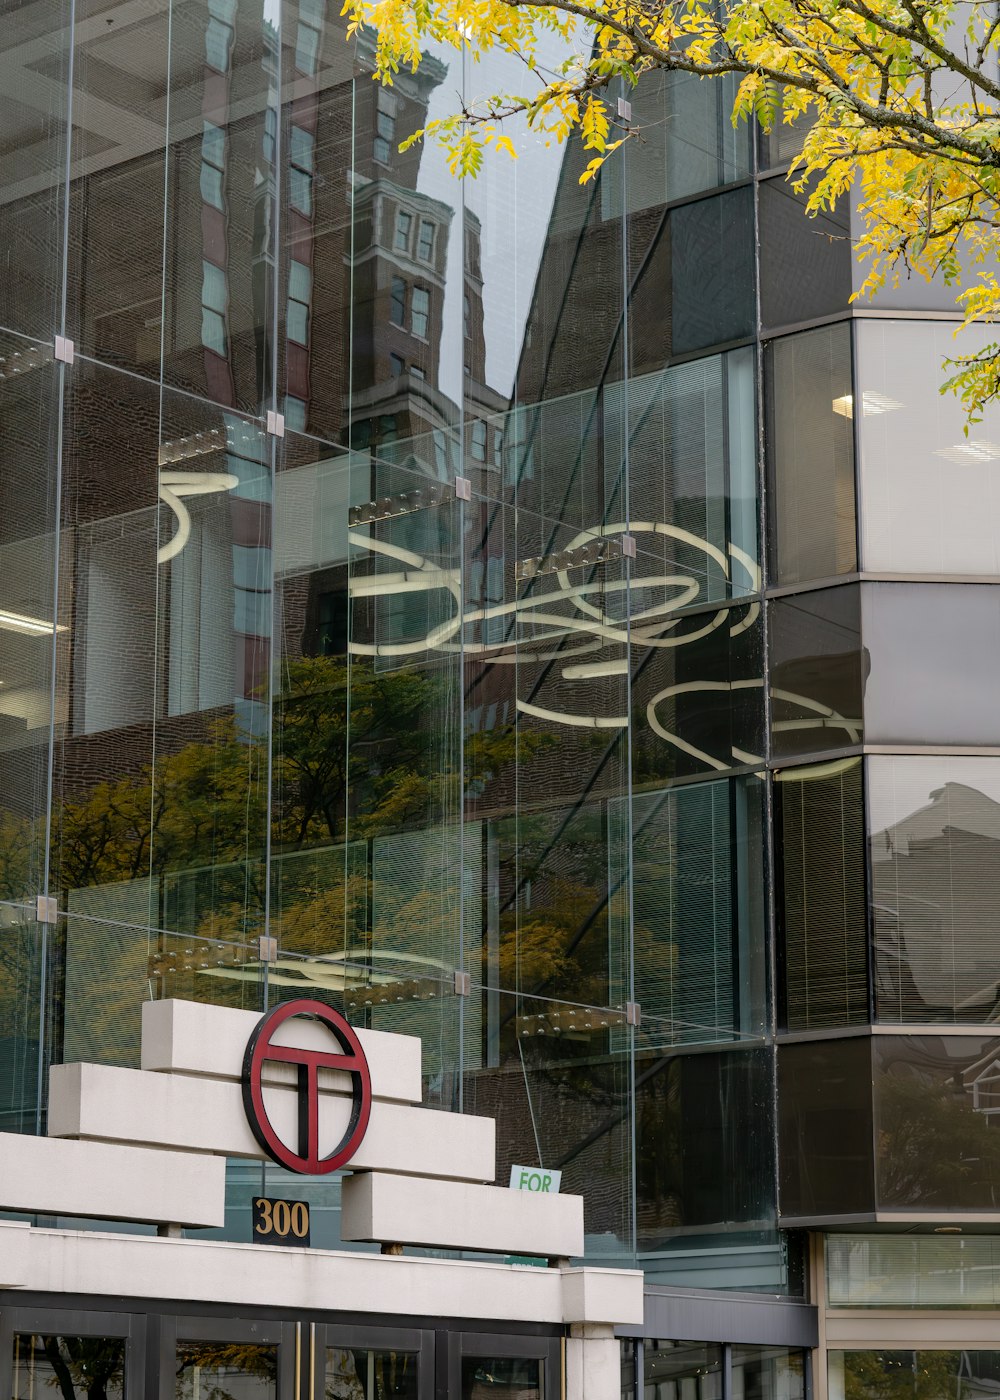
(206, 1358)
(485, 1367)
(371, 1363)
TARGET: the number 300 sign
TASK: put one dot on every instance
(280, 1222)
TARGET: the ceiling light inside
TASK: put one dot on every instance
(872, 404)
(33, 626)
(969, 453)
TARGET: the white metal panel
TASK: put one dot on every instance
(187, 1037)
(112, 1104)
(140, 1266)
(451, 1215)
(106, 1181)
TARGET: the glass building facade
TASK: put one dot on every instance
(544, 619)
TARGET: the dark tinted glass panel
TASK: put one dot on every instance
(227, 1370)
(934, 652)
(820, 893)
(712, 275)
(701, 693)
(689, 141)
(825, 1128)
(29, 428)
(811, 455)
(34, 102)
(704, 1146)
(20, 994)
(934, 847)
(697, 901)
(352, 1374)
(805, 267)
(503, 1377)
(782, 142)
(690, 432)
(768, 1373)
(936, 1098)
(817, 671)
(689, 1369)
(556, 1079)
(69, 1367)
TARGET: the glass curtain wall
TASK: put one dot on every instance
(380, 575)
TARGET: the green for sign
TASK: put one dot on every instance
(542, 1179)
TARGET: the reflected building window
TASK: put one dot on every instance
(299, 300)
(425, 243)
(385, 126)
(213, 164)
(302, 160)
(404, 222)
(420, 306)
(397, 302)
(214, 302)
(219, 34)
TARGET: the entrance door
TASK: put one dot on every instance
(368, 1363)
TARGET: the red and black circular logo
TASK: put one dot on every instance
(350, 1059)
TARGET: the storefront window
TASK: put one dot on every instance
(92, 1368)
(912, 1375)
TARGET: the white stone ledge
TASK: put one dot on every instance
(451, 1215)
(106, 1181)
(72, 1261)
(187, 1037)
(110, 1104)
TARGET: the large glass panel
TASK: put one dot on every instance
(934, 846)
(818, 247)
(690, 434)
(935, 1100)
(29, 420)
(225, 1371)
(934, 654)
(87, 1367)
(172, 130)
(768, 1373)
(810, 432)
(697, 692)
(556, 1080)
(929, 489)
(912, 1271)
(820, 897)
(34, 102)
(825, 1127)
(818, 671)
(490, 1378)
(711, 272)
(689, 142)
(170, 613)
(682, 1370)
(698, 932)
(402, 787)
(20, 1016)
(355, 1374)
(912, 1375)
(704, 1149)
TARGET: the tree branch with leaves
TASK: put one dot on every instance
(899, 99)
